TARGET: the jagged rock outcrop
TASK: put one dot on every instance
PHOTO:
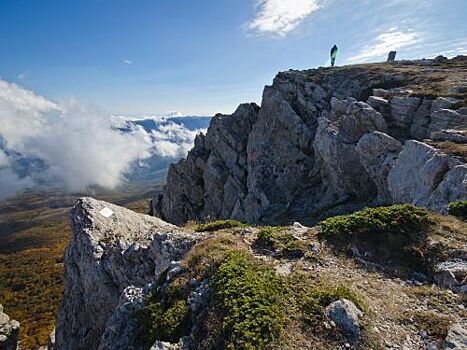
(9, 332)
(113, 253)
(327, 141)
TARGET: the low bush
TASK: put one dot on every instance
(396, 219)
(279, 240)
(219, 225)
(458, 209)
(247, 292)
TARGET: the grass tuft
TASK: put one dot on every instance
(219, 225)
(458, 209)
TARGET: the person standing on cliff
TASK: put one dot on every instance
(334, 52)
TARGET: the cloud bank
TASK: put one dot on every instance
(393, 39)
(279, 17)
(73, 146)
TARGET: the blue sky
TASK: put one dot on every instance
(205, 56)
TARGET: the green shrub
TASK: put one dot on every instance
(247, 293)
(278, 239)
(165, 315)
(458, 209)
(397, 219)
(219, 225)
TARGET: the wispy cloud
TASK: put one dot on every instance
(393, 39)
(78, 145)
(279, 17)
(127, 61)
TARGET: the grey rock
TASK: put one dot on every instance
(295, 158)
(159, 345)
(456, 338)
(453, 187)
(443, 119)
(417, 173)
(451, 275)
(111, 248)
(51, 340)
(378, 152)
(9, 332)
(420, 126)
(458, 136)
(403, 110)
(346, 316)
(120, 329)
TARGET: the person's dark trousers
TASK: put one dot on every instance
(332, 62)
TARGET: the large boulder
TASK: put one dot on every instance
(111, 248)
(9, 332)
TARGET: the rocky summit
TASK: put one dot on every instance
(328, 141)
(364, 168)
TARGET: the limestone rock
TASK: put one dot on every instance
(9, 332)
(451, 275)
(453, 187)
(403, 110)
(120, 330)
(378, 152)
(443, 119)
(111, 248)
(417, 173)
(458, 136)
(346, 316)
(456, 338)
(295, 158)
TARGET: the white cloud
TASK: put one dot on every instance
(173, 140)
(79, 145)
(393, 39)
(127, 61)
(279, 17)
(11, 183)
(4, 160)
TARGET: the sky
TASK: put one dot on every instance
(202, 57)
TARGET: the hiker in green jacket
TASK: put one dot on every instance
(334, 52)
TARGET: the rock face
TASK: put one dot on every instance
(457, 338)
(113, 253)
(327, 141)
(9, 332)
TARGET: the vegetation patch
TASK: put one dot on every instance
(434, 324)
(402, 219)
(248, 294)
(395, 236)
(277, 239)
(244, 309)
(458, 209)
(219, 225)
(165, 315)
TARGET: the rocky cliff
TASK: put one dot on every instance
(113, 253)
(327, 141)
(9, 332)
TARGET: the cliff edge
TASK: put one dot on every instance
(327, 141)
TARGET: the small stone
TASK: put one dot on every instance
(345, 315)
